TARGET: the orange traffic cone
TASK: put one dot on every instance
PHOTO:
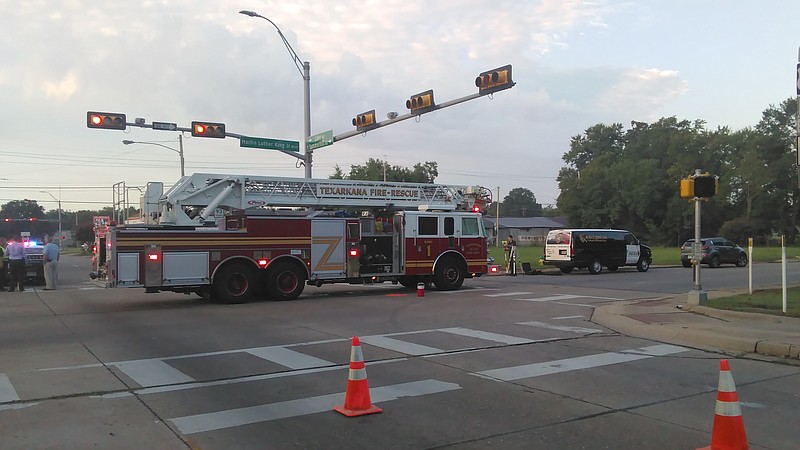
(356, 398)
(728, 432)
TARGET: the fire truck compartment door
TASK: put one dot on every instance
(185, 268)
(327, 249)
(128, 269)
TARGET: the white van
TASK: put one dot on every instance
(570, 249)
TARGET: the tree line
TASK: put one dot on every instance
(629, 179)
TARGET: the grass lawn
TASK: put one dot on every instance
(767, 301)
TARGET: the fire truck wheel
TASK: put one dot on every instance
(234, 283)
(285, 281)
(449, 274)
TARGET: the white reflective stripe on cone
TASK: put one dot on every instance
(728, 409)
(357, 374)
(726, 382)
(355, 354)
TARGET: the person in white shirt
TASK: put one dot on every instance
(51, 256)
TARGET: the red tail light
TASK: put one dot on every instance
(153, 257)
(354, 252)
(263, 262)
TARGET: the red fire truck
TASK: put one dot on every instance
(233, 237)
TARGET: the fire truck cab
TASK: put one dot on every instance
(263, 252)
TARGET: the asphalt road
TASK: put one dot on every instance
(506, 362)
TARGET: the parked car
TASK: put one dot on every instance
(714, 251)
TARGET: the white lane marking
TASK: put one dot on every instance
(288, 358)
(409, 348)
(506, 294)
(505, 339)
(199, 423)
(7, 391)
(550, 299)
(576, 304)
(567, 317)
(579, 363)
(561, 327)
(153, 372)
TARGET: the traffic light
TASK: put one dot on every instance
(364, 120)
(108, 121)
(494, 80)
(705, 186)
(699, 186)
(421, 102)
(208, 129)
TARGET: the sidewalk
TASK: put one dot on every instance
(672, 320)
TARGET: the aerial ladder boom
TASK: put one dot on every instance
(194, 198)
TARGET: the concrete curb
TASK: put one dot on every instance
(722, 336)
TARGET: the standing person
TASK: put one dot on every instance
(512, 255)
(16, 263)
(51, 256)
(3, 265)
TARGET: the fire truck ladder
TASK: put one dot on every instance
(195, 197)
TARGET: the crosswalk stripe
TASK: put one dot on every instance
(505, 339)
(409, 348)
(506, 294)
(288, 358)
(561, 327)
(199, 423)
(551, 298)
(152, 372)
(7, 391)
(579, 363)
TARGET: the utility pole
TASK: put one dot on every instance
(497, 222)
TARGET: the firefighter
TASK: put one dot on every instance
(511, 255)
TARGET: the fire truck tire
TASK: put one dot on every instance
(285, 281)
(234, 283)
(449, 274)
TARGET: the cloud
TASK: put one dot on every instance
(61, 90)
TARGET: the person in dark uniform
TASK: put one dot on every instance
(512, 255)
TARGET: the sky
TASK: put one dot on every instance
(575, 63)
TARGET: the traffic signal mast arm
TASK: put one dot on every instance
(407, 116)
(194, 198)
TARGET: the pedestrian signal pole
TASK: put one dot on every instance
(697, 188)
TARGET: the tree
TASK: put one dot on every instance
(520, 202)
(22, 209)
(378, 170)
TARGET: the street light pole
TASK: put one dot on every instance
(179, 151)
(58, 200)
(305, 71)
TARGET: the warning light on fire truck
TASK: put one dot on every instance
(494, 80)
(108, 121)
(208, 129)
(364, 120)
(420, 103)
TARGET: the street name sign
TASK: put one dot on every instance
(165, 126)
(269, 144)
(320, 140)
